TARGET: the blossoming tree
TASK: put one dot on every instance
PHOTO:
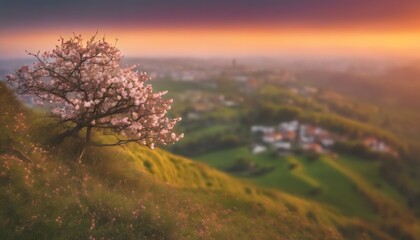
(88, 89)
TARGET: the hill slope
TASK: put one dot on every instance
(126, 193)
(136, 193)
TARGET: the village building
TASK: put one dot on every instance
(292, 135)
(376, 145)
(272, 137)
(258, 149)
(282, 146)
(313, 147)
(327, 142)
(193, 116)
(263, 129)
(289, 135)
(289, 126)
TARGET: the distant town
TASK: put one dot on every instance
(289, 137)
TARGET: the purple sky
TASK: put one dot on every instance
(199, 13)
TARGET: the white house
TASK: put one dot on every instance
(327, 142)
(282, 145)
(263, 129)
(289, 126)
(272, 137)
(258, 149)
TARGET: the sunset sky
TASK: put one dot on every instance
(218, 28)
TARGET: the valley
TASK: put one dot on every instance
(346, 187)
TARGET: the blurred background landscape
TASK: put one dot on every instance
(301, 121)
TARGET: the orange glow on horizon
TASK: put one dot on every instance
(230, 42)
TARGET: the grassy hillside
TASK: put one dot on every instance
(353, 187)
(345, 182)
(356, 185)
(48, 199)
(131, 193)
(136, 193)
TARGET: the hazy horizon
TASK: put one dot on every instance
(234, 29)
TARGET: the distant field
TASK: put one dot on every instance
(212, 130)
(333, 181)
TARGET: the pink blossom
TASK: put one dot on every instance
(88, 86)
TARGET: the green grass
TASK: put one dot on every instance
(143, 194)
(299, 181)
(115, 195)
(205, 132)
(138, 193)
(350, 185)
(369, 171)
(133, 193)
(224, 113)
(338, 189)
(225, 158)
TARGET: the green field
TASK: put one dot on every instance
(339, 181)
(208, 131)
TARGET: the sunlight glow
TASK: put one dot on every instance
(229, 42)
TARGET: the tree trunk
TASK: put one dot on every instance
(71, 132)
(87, 142)
(88, 133)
